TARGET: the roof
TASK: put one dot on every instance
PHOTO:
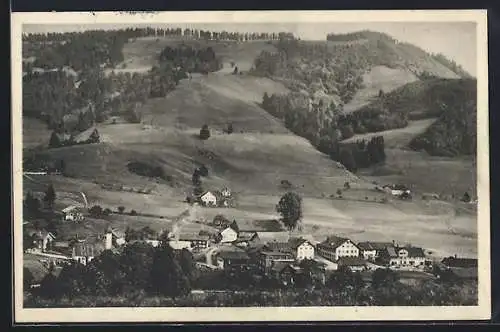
(396, 186)
(414, 251)
(279, 266)
(392, 252)
(276, 253)
(233, 255)
(117, 233)
(351, 261)
(87, 250)
(61, 244)
(245, 236)
(374, 245)
(69, 209)
(333, 241)
(84, 135)
(193, 236)
(296, 242)
(266, 225)
(279, 246)
(207, 192)
(460, 262)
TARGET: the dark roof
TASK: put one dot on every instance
(266, 237)
(276, 253)
(193, 237)
(374, 245)
(84, 135)
(269, 225)
(279, 246)
(245, 236)
(295, 242)
(460, 262)
(233, 255)
(279, 266)
(61, 244)
(414, 251)
(333, 241)
(351, 261)
(392, 252)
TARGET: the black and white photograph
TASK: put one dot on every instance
(251, 166)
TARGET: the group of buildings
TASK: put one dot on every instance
(215, 198)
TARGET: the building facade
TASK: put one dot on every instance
(335, 247)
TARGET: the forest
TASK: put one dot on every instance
(324, 126)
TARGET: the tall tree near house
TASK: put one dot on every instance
(50, 196)
(290, 208)
(230, 128)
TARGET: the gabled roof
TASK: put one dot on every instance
(392, 252)
(246, 236)
(267, 237)
(279, 246)
(69, 209)
(276, 253)
(207, 192)
(295, 242)
(84, 135)
(279, 266)
(351, 261)
(333, 242)
(87, 249)
(413, 251)
(193, 237)
(374, 245)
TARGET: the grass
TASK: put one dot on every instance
(35, 133)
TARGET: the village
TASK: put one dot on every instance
(258, 248)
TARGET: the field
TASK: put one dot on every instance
(255, 159)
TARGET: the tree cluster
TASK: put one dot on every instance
(140, 268)
(191, 60)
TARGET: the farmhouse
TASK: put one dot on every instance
(228, 235)
(232, 259)
(455, 262)
(263, 231)
(245, 238)
(335, 247)
(396, 189)
(406, 257)
(300, 248)
(72, 213)
(208, 199)
(372, 250)
(197, 241)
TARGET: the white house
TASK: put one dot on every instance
(208, 199)
(396, 189)
(72, 213)
(372, 250)
(406, 257)
(335, 247)
(302, 248)
(228, 235)
(84, 253)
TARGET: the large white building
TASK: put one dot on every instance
(335, 247)
(208, 199)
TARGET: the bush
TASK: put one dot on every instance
(121, 209)
(204, 132)
(96, 211)
(133, 212)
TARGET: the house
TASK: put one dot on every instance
(118, 237)
(355, 264)
(270, 237)
(84, 252)
(300, 248)
(372, 250)
(208, 199)
(406, 257)
(197, 241)
(232, 259)
(42, 239)
(335, 247)
(228, 235)
(397, 189)
(258, 226)
(72, 213)
(221, 222)
(268, 259)
(244, 238)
